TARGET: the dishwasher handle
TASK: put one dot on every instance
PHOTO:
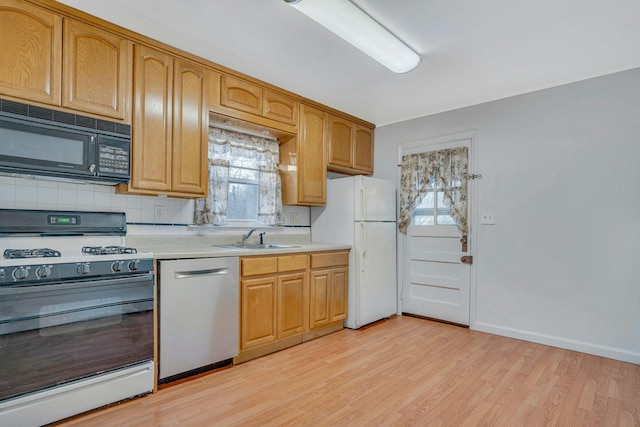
(198, 273)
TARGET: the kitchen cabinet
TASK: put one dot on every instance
(170, 126)
(274, 305)
(328, 288)
(350, 148)
(31, 54)
(58, 61)
(244, 100)
(282, 307)
(303, 161)
(96, 71)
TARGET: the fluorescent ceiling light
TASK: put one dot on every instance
(351, 24)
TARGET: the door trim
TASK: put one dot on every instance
(430, 144)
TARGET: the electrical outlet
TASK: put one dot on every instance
(292, 217)
(158, 213)
(488, 218)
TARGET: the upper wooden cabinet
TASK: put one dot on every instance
(363, 150)
(350, 147)
(341, 142)
(96, 71)
(170, 127)
(241, 99)
(240, 95)
(31, 53)
(303, 164)
(62, 62)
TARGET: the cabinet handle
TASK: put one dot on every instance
(213, 271)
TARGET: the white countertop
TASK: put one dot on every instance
(169, 250)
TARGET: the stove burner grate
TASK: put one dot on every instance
(31, 253)
(108, 250)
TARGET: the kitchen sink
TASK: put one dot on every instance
(256, 246)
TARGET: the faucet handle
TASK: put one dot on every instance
(261, 237)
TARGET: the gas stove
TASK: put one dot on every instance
(62, 245)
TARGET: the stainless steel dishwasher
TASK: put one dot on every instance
(198, 309)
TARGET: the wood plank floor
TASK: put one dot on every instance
(400, 372)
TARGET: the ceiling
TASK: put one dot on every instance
(472, 51)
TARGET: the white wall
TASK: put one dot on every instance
(561, 171)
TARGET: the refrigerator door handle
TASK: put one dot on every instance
(364, 246)
(364, 203)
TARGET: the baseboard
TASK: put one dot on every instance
(555, 341)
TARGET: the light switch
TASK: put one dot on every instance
(488, 218)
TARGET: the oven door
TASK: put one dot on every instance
(51, 334)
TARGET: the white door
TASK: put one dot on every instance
(435, 282)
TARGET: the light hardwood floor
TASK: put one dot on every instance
(400, 372)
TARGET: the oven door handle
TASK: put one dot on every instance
(76, 284)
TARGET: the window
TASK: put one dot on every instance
(432, 210)
(244, 180)
(243, 194)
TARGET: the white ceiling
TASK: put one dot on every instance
(472, 51)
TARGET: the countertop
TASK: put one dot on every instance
(170, 248)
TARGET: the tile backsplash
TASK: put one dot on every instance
(161, 212)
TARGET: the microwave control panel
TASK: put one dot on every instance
(113, 159)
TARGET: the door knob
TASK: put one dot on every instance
(467, 259)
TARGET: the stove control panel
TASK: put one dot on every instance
(41, 273)
(20, 273)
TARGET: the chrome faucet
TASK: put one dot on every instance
(246, 236)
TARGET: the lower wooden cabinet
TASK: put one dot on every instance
(258, 312)
(328, 293)
(279, 305)
(293, 294)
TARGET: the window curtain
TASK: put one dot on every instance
(443, 170)
(228, 148)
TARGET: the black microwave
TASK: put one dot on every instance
(43, 142)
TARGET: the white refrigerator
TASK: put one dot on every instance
(361, 212)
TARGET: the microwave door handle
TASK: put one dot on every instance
(92, 166)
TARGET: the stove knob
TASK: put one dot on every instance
(84, 268)
(43, 271)
(133, 265)
(20, 273)
(116, 266)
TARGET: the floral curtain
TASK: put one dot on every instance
(445, 170)
(235, 149)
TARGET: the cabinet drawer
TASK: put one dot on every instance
(293, 262)
(255, 266)
(329, 259)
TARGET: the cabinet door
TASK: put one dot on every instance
(97, 71)
(279, 107)
(190, 129)
(338, 294)
(152, 120)
(312, 161)
(292, 304)
(31, 53)
(340, 142)
(258, 318)
(240, 95)
(319, 298)
(363, 149)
